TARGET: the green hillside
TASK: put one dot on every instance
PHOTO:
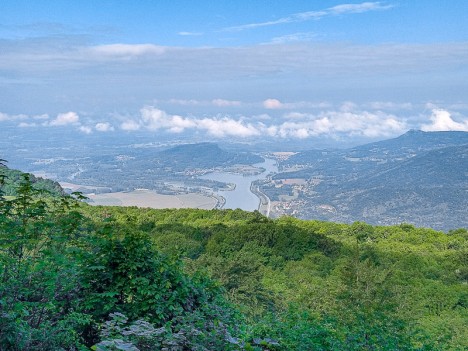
(76, 277)
(12, 178)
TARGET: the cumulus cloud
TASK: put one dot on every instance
(347, 120)
(85, 129)
(130, 125)
(361, 123)
(272, 104)
(64, 119)
(227, 127)
(156, 119)
(300, 125)
(442, 121)
(103, 127)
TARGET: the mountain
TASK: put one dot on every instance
(419, 178)
(202, 155)
(413, 141)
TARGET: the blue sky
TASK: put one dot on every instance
(244, 69)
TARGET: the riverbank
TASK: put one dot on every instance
(265, 204)
(246, 194)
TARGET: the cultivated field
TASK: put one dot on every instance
(149, 198)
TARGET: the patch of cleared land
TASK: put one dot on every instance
(149, 198)
(77, 187)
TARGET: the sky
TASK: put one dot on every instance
(281, 70)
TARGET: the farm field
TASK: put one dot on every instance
(151, 199)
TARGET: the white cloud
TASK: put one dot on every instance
(7, 117)
(347, 120)
(85, 129)
(348, 106)
(301, 125)
(126, 50)
(103, 127)
(41, 117)
(289, 38)
(315, 15)
(295, 115)
(272, 104)
(225, 103)
(361, 123)
(156, 119)
(442, 121)
(64, 119)
(227, 127)
(130, 125)
(185, 102)
(27, 125)
(190, 33)
(387, 105)
(275, 104)
(358, 8)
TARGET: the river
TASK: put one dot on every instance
(241, 197)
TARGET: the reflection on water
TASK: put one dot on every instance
(241, 197)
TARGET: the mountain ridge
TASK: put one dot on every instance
(418, 177)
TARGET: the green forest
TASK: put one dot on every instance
(77, 277)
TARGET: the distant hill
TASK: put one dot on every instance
(419, 178)
(202, 155)
(414, 141)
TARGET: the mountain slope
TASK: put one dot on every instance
(13, 177)
(202, 155)
(419, 177)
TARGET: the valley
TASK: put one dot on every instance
(419, 178)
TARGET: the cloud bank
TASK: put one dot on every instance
(367, 124)
(64, 119)
(349, 120)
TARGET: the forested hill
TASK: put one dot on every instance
(204, 155)
(76, 277)
(12, 178)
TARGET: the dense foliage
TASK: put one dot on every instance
(12, 177)
(75, 277)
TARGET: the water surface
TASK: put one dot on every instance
(241, 197)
